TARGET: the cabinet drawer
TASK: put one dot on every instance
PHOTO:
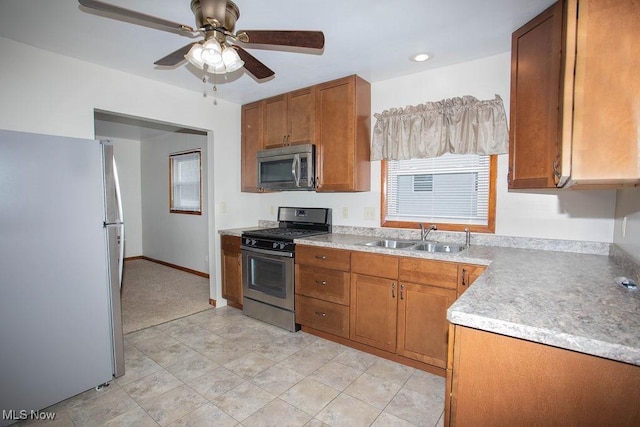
(337, 259)
(323, 283)
(322, 315)
(429, 272)
(374, 265)
(230, 243)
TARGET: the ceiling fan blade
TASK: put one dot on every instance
(252, 65)
(160, 23)
(310, 39)
(175, 57)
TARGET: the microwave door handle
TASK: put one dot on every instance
(298, 170)
(295, 168)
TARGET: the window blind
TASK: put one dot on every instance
(453, 188)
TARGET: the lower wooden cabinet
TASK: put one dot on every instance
(503, 381)
(395, 305)
(323, 315)
(423, 328)
(322, 289)
(374, 311)
(467, 274)
(231, 270)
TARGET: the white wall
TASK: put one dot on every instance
(627, 232)
(60, 99)
(573, 215)
(178, 239)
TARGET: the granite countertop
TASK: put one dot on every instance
(567, 300)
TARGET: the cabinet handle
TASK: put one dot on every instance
(393, 290)
(321, 257)
(288, 140)
(239, 259)
(402, 291)
(464, 277)
(321, 314)
(321, 282)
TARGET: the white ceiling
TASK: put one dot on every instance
(371, 38)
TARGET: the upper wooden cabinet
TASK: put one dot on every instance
(335, 116)
(574, 97)
(343, 122)
(289, 119)
(251, 142)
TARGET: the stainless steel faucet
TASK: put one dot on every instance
(424, 232)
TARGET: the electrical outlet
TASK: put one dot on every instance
(272, 210)
(223, 207)
(345, 212)
(370, 214)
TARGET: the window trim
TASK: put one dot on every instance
(171, 157)
(491, 220)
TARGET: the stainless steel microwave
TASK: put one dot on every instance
(287, 168)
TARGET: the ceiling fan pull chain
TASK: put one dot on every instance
(215, 90)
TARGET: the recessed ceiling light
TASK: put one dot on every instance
(420, 57)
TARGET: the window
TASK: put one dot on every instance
(455, 191)
(184, 188)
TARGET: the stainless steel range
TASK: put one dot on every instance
(268, 264)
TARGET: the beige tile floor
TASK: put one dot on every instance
(221, 368)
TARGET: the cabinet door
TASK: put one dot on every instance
(505, 381)
(606, 131)
(422, 322)
(373, 311)
(301, 117)
(467, 274)
(536, 89)
(231, 270)
(251, 143)
(343, 111)
(275, 121)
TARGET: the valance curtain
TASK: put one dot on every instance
(457, 125)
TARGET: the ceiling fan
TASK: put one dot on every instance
(215, 20)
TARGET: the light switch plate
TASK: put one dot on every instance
(370, 214)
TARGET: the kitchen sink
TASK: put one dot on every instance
(392, 244)
(426, 246)
(439, 247)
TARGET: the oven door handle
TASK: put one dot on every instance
(267, 252)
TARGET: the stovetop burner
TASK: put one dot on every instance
(284, 232)
(292, 223)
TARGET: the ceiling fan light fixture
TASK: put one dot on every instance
(219, 68)
(194, 56)
(231, 59)
(211, 52)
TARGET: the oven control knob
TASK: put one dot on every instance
(275, 245)
(281, 245)
(253, 242)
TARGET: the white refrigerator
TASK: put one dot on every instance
(61, 253)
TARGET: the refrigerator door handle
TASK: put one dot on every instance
(120, 218)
